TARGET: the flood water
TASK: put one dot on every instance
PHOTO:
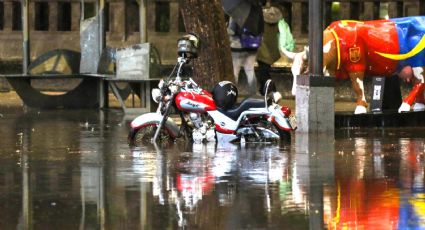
(75, 170)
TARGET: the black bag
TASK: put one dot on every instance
(225, 94)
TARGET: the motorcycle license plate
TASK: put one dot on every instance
(293, 122)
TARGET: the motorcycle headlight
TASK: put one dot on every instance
(156, 95)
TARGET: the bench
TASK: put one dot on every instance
(143, 91)
(90, 93)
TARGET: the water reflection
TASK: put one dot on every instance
(379, 190)
(74, 170)
(215, 186)
(314, 168)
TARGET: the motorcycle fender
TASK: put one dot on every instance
(281, 121)
(155, 118)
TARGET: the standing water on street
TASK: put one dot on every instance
(75, 170)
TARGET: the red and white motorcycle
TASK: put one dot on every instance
(202, 118)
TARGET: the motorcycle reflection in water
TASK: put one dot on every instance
(371, 189)
(207, 116)
(196, 185)
(72, 170)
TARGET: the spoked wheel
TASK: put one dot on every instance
(144, 135)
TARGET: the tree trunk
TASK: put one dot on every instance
(205, 18)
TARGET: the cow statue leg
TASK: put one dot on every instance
(420, 100)
(416, 94)
(357, 83)
(419, 103)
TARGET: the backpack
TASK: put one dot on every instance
(242, 37)
(250, 41)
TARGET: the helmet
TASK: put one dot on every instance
(225, 94)
(188, 46)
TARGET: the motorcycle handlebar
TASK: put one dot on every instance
(177, 82)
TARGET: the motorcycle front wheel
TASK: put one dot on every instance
(144, 135)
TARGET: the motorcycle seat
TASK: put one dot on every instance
(246, 104)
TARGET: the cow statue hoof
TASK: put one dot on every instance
(404, 108)
(360, 110)
(418, 107)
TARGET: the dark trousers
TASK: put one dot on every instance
(263, 75)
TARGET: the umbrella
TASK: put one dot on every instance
(247, 14)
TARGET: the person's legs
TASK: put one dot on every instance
(263, 75)
(237, 60)
(250, 72)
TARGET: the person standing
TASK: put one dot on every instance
(277, 36)
(244, 47)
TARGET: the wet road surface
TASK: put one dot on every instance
(75, 170)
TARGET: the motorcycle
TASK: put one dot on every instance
(202, 119)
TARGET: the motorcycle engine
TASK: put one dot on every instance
(202, 130)
(197, 136)
(196, 120)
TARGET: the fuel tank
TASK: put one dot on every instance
(195, 102)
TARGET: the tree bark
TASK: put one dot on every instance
(205, 18)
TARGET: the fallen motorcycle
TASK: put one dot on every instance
(210, 116)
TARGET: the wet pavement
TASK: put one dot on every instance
(75, 170)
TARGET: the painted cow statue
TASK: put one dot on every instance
(355, 49)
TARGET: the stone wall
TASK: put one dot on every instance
(366, 11)
(120, 34)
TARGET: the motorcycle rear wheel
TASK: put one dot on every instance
(145, 135)
(285, 136)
